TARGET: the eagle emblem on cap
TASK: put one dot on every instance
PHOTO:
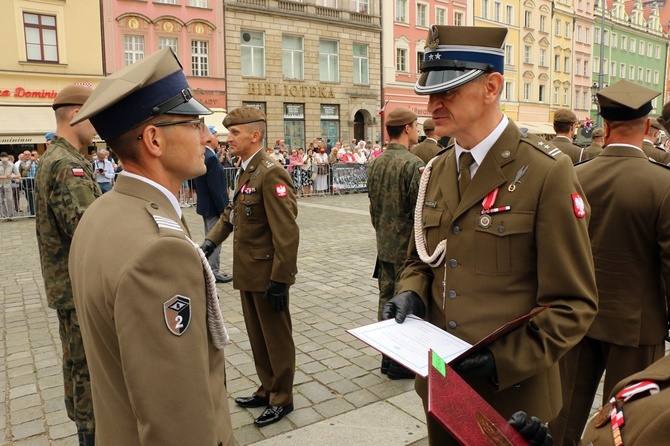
(433, 38)
(226, 121)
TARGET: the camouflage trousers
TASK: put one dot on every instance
(76, 379)
(388, 277)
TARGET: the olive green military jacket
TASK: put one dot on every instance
(64, 188)
(655, 153)
(647, 418)
(592, 151)
(262, 217)
(426, 149)
(630, 239)
(501, 266)
(393, 184)
(568, 148)
(135, 275)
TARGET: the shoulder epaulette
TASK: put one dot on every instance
(445, 149)
(167, 226)
(540, 144)
(658, 163)
(585, 161)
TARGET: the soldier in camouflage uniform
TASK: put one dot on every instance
(393, 185)
(64, 188)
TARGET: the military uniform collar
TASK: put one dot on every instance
(623, 150)
(564, 137)
(428, 138)
(162, 189)
(395, 146)
(58, 141)
(480, 150)
(246, 163)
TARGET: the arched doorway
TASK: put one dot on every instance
(359, 126)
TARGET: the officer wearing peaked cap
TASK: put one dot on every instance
(564, 126)
(262, 219)
(502, 231)
(652, 151)
(597, 142)
(148, 308)
(630, 238)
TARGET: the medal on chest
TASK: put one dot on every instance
(485, 218)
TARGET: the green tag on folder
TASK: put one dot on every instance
(439, 363)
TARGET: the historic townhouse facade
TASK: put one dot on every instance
(582, 51)
(192, 28)
(47, 45)
(312, 66)
(563, 63)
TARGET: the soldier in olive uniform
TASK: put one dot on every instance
(393, 184)
(428, 148)
(648, 147)
(145, 294)
(597, 142)
(504, 232)
(64, 189)
(630, 238)
(564, 126)
(262, 218)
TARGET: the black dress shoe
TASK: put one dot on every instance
(223, 278)
(272, 414)
(252, 401)
(397, 371)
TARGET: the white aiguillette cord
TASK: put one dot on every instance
(217, 329)
(419, 239)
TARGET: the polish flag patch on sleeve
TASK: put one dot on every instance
(578, 206)
(77, 171)
(281, 191)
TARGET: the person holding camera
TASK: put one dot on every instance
(104, 171)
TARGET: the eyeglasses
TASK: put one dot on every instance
(196, 123)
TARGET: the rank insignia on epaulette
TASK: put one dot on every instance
(177, 312)
(77, 171)
(269, 163)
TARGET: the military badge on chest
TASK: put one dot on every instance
(488, 208)
(177, 312)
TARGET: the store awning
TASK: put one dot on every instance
(537, 128)
(25, 125)
(216, 119)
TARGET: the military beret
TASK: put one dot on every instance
(598, 132)
(49, 135)
(151, 87)
(428, 125)
(565, 115)
(72, 95)
(625, 101)
(655, 124)
(243, 115)
(400, 116)
(455, 55)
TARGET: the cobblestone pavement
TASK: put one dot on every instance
(340, 396)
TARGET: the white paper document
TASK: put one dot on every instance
(408, 343)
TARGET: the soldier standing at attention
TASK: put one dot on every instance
(597, 142)
(429, 147)
(393, 184)
(564, 126)
(262, 218)
(656, 153)
(498, 216)
(64, 189)
(148, 307)
(630, 239)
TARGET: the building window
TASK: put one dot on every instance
(650, 50)
(567, 30)
(170, 42)
(199, 58)
(596, 35)
(566, 64)
(198, 3)
(361, 63)
(509, 91)
(613, 68)
(543, 24)
(485, 9)
(658, 52)
(330, 122)
(633, 45)
(578, 100)
(133, 49)
(555, 95)
(647, 77)
(557, 63)
(360, 6)
(631, 72)
(622, 71)
(440, 16)
(497, 12)
(640, 74)
(541, 92)
(528, 20)
(557, 31)
(641, 50)
(509, 54)
(41, 37)
(167, 2)
(329, 61)
(586, 68)
(587, 35)
(624, 43)
(293, 57)
(565, 96)
(253, 53)
(294, 125)
(656, 77)
(578, 33)
(526, 91)
(578, 67)
(401, 11)
(419, 58)
(526, 54)
(586, 99)
(458, 19)
(401, 60)
(615, 40)
(421, 14)
(606, 37)
(509, 15)
(543, 57)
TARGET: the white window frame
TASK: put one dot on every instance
(527, 54)
(362, 65)
(422, 15)
(332, 61)
(171, 42)
(197, 3)
(527, 91)
(440, 16)
(135, 52)
(253, 49)
(401, 11)
(509, 15)
(459, 18)
(401, 62)
(294, 57)
(199, 58)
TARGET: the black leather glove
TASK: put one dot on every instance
(479, 364)
(531, 429)
(208, 247)
(276, 292)
(405, 303)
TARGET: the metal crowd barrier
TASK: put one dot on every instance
(17, 198)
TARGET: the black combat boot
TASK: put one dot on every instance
(86, 438)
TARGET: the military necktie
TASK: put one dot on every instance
(240, 171)
(464, 163)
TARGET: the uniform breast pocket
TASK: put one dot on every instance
(432, 218)
(250, 209)
(507, 245)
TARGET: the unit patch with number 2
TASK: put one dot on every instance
(177, 311)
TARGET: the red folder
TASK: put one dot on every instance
(462, 412)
